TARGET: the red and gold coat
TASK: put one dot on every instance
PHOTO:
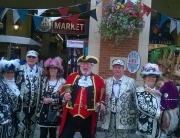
(83, 99)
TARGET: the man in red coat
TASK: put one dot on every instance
(82, 103)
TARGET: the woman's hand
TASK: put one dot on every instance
(153, 91)
(47, 100)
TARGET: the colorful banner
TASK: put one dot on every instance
(22, 13)
(160, 34)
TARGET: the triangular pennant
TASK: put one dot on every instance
(86, 50)
(41, 11)
(15, 16)
(82, 7)
(172, 25)
(158, 18)
(121, 1)
(178, 27)
(54, 18)
(64, 11)
(92, 13)
(22, 14)
(37, 21)
(163, 19)
(146, 9)
(74, 19)
(3, 12)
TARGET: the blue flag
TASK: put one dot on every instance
(83, 7)
(163, 19)
(22, 14)
(92, 13)
(37, 21)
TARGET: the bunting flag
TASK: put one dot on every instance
(22, 14)
(3, 12)
(172, 25)
(158, 17)
(92, 13)
(54, 18)
(98, 1)
(15, 16)
(178, 27)
(86, 50)
(83, 7)
(121, 1)
(163, 19)
(41, 11)
(146, 9)
(37, 20)
(63, 11)
(74, 19)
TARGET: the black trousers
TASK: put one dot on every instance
(73, 124)
(44, 132)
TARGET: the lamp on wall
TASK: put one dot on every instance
(16, 27)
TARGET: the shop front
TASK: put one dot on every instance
(62, 38)
(54, 35)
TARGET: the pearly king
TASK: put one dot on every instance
(28, 81)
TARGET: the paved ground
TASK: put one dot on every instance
(77, 135)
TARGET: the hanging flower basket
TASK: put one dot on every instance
(121, 21)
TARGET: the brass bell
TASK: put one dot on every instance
(68, 89)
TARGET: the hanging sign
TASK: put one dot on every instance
(133, 62)
(45, 25)
(75, 44)
(64, 26)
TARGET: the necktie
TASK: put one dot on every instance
(117, 82)
(31, 74)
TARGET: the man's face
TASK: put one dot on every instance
(86, 68)
(118, 70)
(31, 60)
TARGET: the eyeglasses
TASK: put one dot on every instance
(31, 57)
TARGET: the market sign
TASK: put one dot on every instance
(75, 44)
(133, 62)
(64, 26)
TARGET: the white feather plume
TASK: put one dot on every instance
(15, 62)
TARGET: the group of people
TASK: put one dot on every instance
(31, 95)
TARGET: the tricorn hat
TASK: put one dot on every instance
(90, 59)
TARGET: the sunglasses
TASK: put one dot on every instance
(31, 57)
(151, 75)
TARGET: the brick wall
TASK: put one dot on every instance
(121, 50)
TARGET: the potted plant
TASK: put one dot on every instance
(121, 21)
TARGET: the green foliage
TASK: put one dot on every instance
(121, 21)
